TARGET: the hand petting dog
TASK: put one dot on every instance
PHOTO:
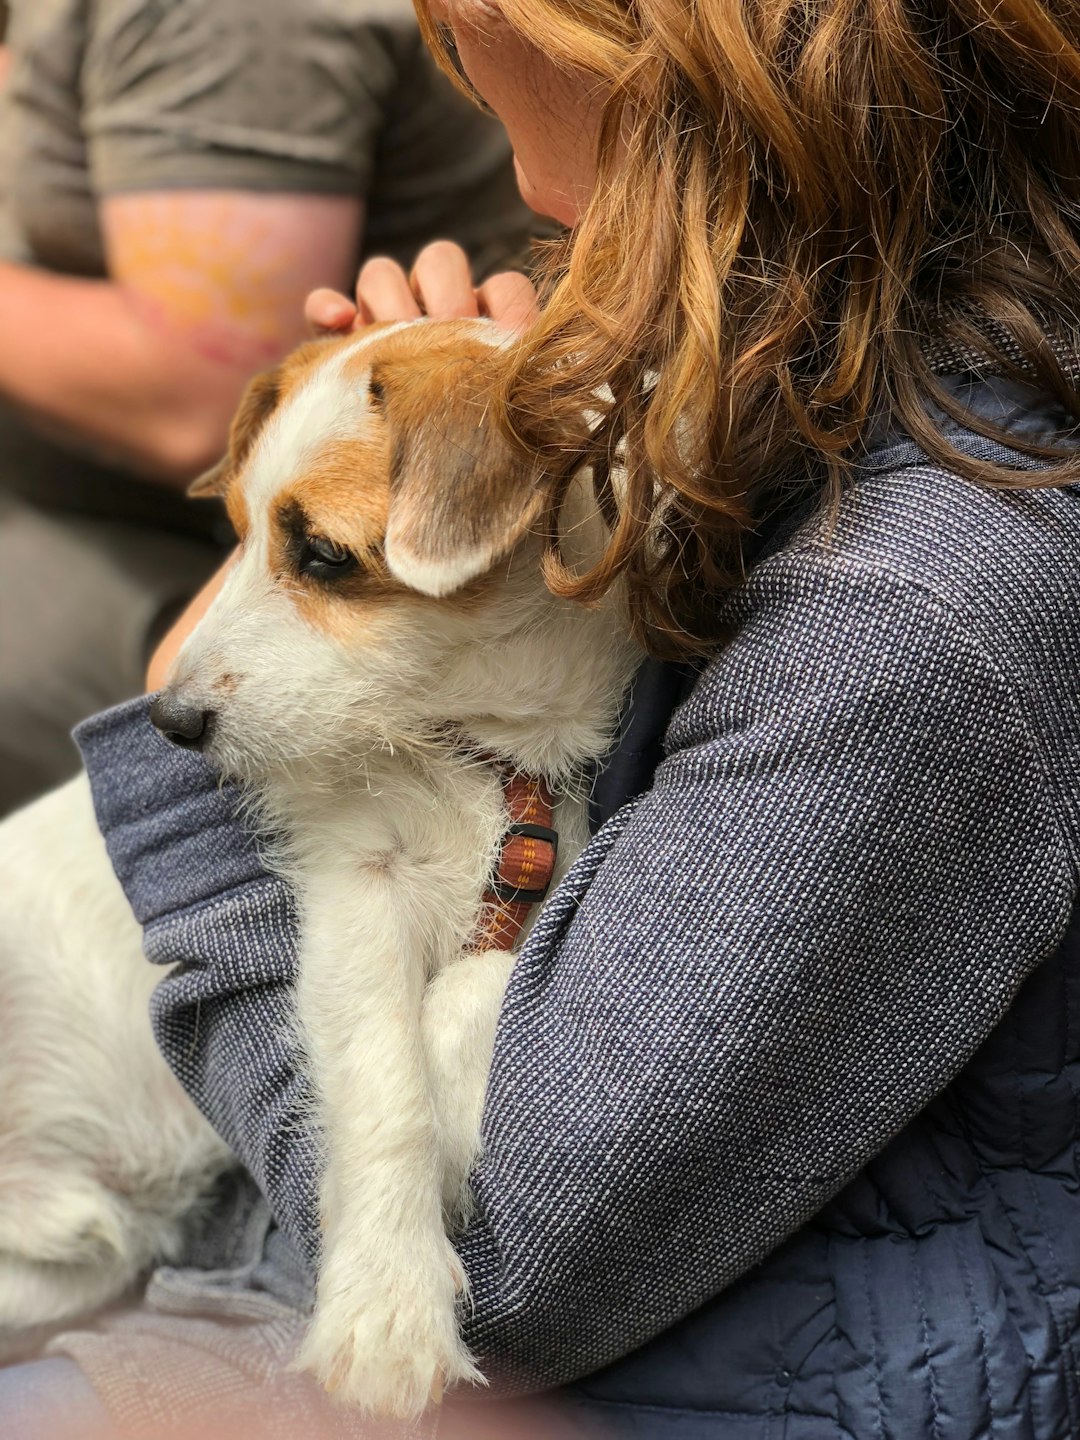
(439, 286)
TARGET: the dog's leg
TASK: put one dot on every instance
(461, 1011)
(384, 1336)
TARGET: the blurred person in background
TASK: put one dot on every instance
(174, 179)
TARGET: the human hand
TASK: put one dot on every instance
(162, 659)
(439, 286)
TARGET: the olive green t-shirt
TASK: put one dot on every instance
(107, 97)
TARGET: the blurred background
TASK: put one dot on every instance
(174, 179)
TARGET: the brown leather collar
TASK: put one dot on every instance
(526, 863)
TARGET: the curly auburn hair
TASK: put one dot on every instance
(796, 201)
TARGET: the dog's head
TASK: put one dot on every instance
(382, 444)
(387, 578)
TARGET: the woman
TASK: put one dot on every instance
(781, 1134)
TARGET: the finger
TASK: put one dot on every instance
(328, 313)
(382, 292)
(510, 299)
(442, 281)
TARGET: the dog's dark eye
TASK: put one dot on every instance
(325, 559)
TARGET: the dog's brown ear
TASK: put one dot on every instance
(256, 406)
(461, 496)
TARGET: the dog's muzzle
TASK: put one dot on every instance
(185, 725)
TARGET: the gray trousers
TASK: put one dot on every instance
(81, 603)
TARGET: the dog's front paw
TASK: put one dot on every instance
(390, 1347)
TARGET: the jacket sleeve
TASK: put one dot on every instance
(753, 977)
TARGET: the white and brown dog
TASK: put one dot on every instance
(384, 637)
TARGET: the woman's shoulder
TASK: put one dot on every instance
(997, 559)
(922, 590)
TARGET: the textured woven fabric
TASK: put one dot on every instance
(739, 1114)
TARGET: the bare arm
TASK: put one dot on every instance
(205, 287)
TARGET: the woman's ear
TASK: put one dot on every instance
(461, 496)
(258, 403)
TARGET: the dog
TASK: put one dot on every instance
(388, 677)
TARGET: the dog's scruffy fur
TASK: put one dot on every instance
(385, 629)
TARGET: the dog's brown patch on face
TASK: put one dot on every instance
(462, 495)
(425, 389)
(298, 366)
(423, 367)
(343, 497)
(426, 349)
(345, 493)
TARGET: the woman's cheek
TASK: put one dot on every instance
(552, 116)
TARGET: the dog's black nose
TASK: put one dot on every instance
(185, 725)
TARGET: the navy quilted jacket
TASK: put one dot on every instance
(781, 1135)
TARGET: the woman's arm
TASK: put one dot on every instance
(205, 287)
(753, 977)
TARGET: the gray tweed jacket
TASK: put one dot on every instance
(863, 837)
